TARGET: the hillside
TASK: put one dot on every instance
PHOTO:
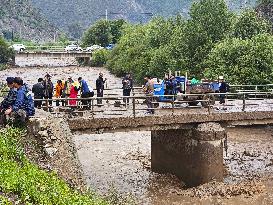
(265, 9)
(81, 13)
(23, 20)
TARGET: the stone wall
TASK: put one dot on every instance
(58, 146)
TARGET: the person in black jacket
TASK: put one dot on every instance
(127, 85)
(100, 87)
(48, 88)
(223, 88)
(38, 91)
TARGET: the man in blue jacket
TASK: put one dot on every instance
(11, 97)
(86, 92)
(23, 106)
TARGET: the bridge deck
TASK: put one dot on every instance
(176, 121)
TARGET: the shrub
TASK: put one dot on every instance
(99, 57)
(248, 61)
(6, 53)
(4, 201)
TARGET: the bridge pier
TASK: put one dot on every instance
(194, 155)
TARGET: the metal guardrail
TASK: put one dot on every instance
(139, 100)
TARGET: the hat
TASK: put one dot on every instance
(221, 77)
(10, 80)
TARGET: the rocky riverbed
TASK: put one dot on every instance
(31, 74)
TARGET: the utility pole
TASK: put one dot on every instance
(246, 3)
(20, 32)
(106, 14)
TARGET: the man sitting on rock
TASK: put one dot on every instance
(9, 100)
(23, 106)
(11, 97)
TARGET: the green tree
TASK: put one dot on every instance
(130, 55)
(5, 52)
(99, 57)
(212, 17)
(249, 24)
(116, 29)
(142, 49)
(63, 39)
(99, 33)
(248, 61)
(210, 22)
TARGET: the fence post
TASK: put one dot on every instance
(209, 104)
(47, 109)
(173, 104)
(134, 107)
(92, 107)
(244, 102)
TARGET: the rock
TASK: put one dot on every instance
(43, 133)
(53, 137)
(51, 151)
(47, 146)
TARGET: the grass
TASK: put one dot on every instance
(34, 186)
(3, 66)
(4, 201)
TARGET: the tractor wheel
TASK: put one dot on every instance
(156, 102)
(211, 99)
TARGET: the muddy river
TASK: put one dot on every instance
(122, 161)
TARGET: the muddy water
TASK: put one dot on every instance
(122, 160)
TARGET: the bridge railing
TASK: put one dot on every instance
(117, 105)
(45, 48)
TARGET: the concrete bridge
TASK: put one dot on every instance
(189, 145)
(50, 54)
(85, 56)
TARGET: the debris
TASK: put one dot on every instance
(50, 151)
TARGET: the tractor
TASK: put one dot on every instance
(182, 87)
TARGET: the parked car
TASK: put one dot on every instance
(93, 48)
(110, 46)
(18, 47)
(73, 48)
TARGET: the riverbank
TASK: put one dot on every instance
(22, 181)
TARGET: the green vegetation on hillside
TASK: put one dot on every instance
(18, 18)
(33, 185)
(213, 41)
(67, 14)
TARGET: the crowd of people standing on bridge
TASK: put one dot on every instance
(19, 102)
(67, 91)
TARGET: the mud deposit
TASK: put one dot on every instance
(122, 160)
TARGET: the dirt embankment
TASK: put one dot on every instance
(50, 145)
